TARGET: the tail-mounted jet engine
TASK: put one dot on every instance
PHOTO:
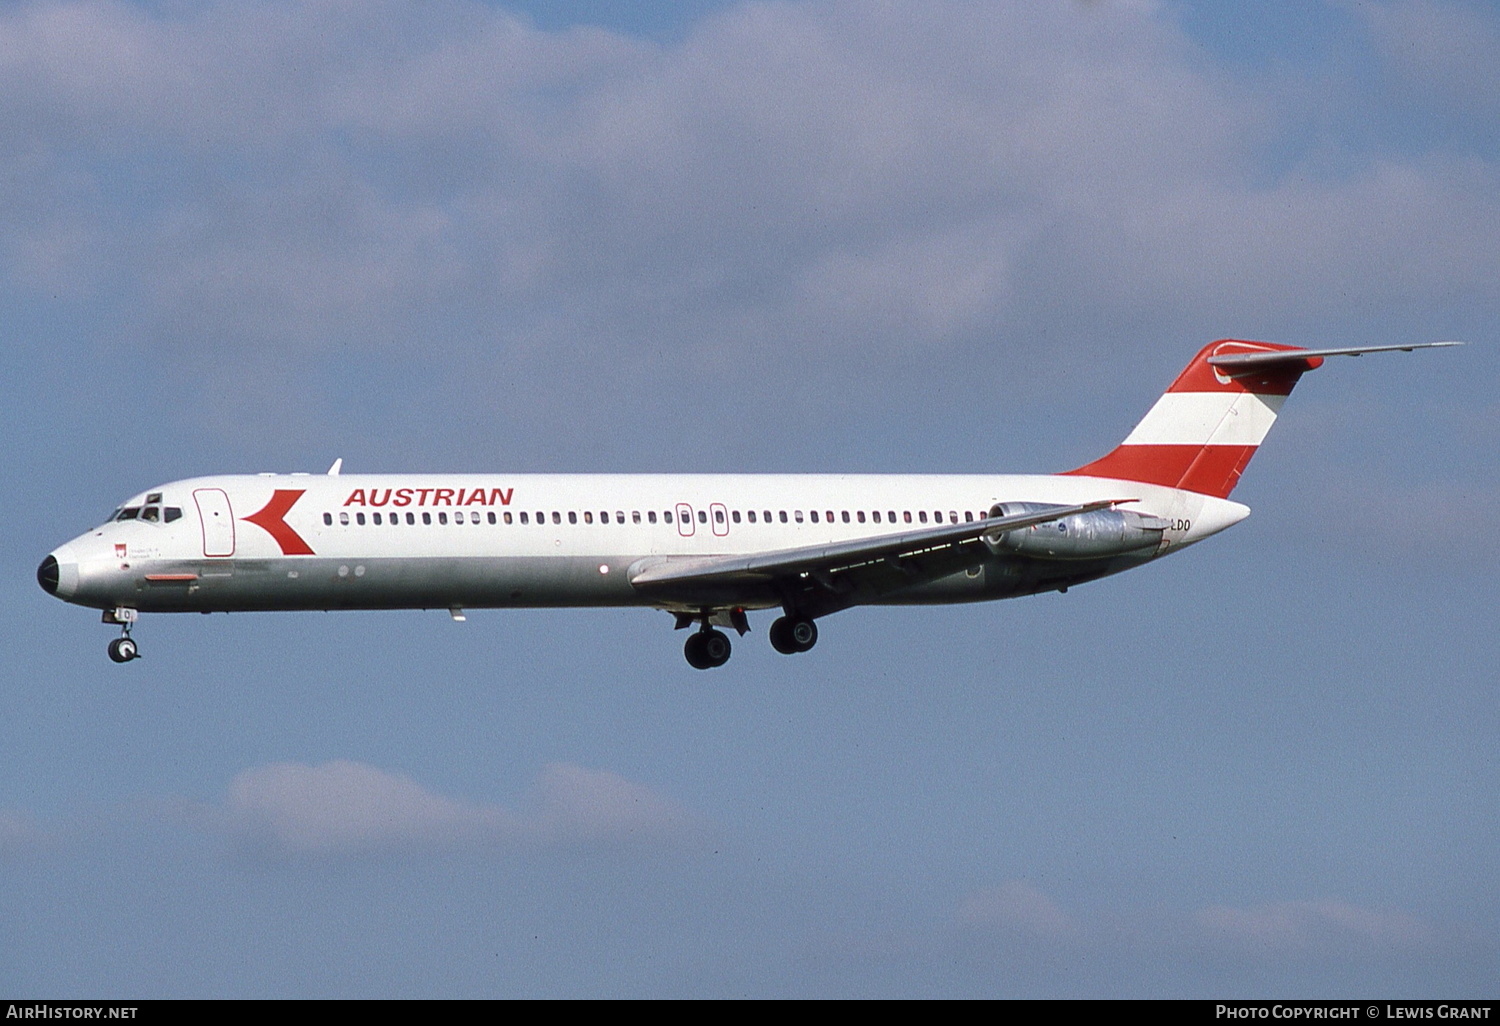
(1097, 535)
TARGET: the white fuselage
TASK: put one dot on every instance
(511, 540)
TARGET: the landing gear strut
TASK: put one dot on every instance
(793, 634)
(123, 649)
(707, 649)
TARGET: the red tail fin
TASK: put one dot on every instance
(1202, 432)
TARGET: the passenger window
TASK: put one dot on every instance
(968, 516)
(328, 519)
(666, 516)
(814, 515)
(906, 515)
(735, 516)
(344, 519)
(719, 516)
(588, 517)
(859, 515)
(635, 516)
(876, 516)
(524, 520)
(620, 516)
(651, 516)
(507, 515)
(797, 515)
(922, 515)
(829, 515)
(375, 518)
(751, 515)
(442, 518)
(767, 516)
(846, 515)
(556, 517)
(411, 518)
(890, 516)
(702, 517)
(783, 516)
(426, 518)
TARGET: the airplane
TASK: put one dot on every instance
(708, 548)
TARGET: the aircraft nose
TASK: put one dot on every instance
(47, 575)
(57, 577)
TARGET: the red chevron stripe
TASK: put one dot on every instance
(1207, 469)
(269, 519)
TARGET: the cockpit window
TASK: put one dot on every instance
(171, 513)
(154, 497)
(151, 513)
(129, 513)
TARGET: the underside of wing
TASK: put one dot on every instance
(824, 578)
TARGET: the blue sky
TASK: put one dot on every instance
(772, 237)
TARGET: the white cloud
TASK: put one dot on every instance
(456, 206)
(1015, 906)
(344, 808)
(577, 804)
(1441, 49)
(1017, 910)
(297, 168)
(18, 834)
(1312, 925)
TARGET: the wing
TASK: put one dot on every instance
(834, 576)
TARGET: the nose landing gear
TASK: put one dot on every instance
(123, 649)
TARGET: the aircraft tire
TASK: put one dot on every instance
(707, 649)
(781, 636)
(716, 647)
(802, 633)
(122, 650)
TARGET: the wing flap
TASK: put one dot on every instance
(658, 572)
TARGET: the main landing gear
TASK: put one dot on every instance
(123, 649)
(793, 634)
(707, 649)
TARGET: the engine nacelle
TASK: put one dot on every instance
(1097, 535)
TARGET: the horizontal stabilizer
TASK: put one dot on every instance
(1309, 358)
(1204, 429)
